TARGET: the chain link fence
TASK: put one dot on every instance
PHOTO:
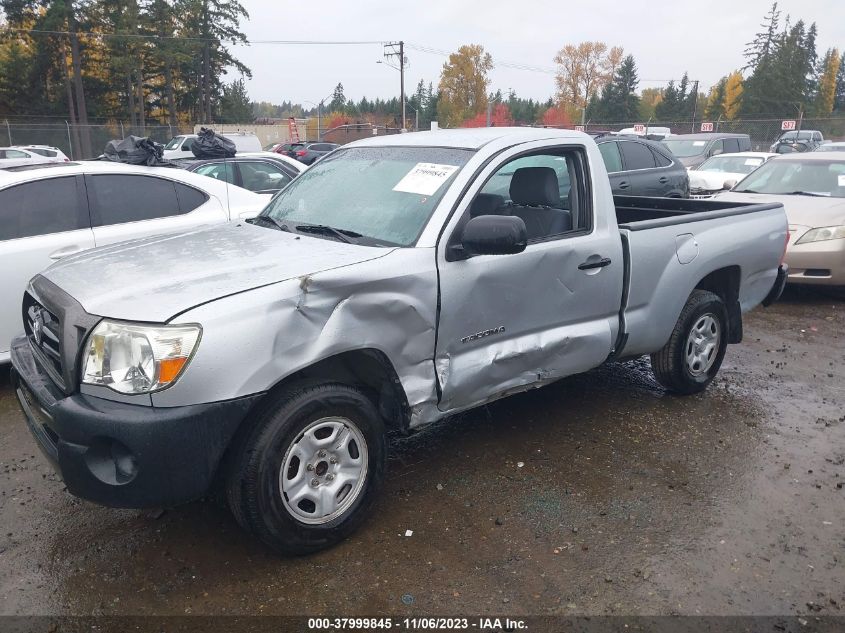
(79, 142)
(763, 132)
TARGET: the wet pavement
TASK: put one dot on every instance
(596, 495)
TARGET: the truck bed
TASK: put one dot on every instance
(636, 213)
(672, 245)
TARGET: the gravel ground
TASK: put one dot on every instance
(599, 494)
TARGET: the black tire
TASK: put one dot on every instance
(670, 364)
(254, 484)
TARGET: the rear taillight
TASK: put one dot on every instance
(300, 152)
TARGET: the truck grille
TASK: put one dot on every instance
(43, 329)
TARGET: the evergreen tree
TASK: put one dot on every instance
(235, 106)
(338, 101)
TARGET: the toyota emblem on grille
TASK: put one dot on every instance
(38, 327)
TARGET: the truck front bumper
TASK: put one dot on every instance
(124, 455)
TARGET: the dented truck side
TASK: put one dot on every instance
(313, 345)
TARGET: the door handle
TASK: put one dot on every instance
(66, 251)
(663, 180)
(599, 263)
(623, 185)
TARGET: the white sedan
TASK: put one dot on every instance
(51, 211)
(723, 171)
(18, 156)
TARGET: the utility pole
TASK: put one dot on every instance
(397, 49)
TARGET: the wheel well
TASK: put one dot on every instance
(725, 283)
(368, 369)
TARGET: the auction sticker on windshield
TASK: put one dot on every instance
(841, 180)
(425, 178)
(753, 162)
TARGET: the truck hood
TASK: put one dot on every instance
(808, 211)
(156, 278)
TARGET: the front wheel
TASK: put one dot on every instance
(691, 358)
(306, 474)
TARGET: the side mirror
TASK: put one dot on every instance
(494, 235)
(728, 184)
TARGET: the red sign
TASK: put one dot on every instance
(639, 128)
(579, 128)
(787, 125)
(706, 126)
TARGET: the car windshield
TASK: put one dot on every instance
(732, 164)
(686, 148)
(385, 194)
(797, 177)
(174, 142)
(791, 136)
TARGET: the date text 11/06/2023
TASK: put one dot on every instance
(485, 624)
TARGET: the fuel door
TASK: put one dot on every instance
(686, 247)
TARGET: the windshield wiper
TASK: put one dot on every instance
(746, 191)
(270, 220)
(343, 235)
(807, 193)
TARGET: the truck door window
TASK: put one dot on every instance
(611, 156)
(538, 189)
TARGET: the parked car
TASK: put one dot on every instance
(797, 141)
(835, 146)
(180, 146)
(811, 188)
(261, 172)
(385, 288)
(51, 211)
(652, 133)
(309, 152)
(721, 172)
(694, 149)
(47, 151)
(16, 156)
(639, 167)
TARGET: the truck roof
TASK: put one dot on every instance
(469, 138)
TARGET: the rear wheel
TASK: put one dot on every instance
(693, 355)
(308, 471)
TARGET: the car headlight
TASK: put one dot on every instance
(138, 358)
(822, 234)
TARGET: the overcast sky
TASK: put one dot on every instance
(666, 37)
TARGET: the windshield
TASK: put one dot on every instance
(684, 149)
(809, 177)
(174, 142)
(732, 164)
(385, 194)
(792, 136)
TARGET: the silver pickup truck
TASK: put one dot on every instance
(398, 281)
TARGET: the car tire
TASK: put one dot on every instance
(693, 355)
(292, 477)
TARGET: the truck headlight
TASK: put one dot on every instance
(822, 234)
(138, 358)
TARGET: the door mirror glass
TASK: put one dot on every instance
(494, 235)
